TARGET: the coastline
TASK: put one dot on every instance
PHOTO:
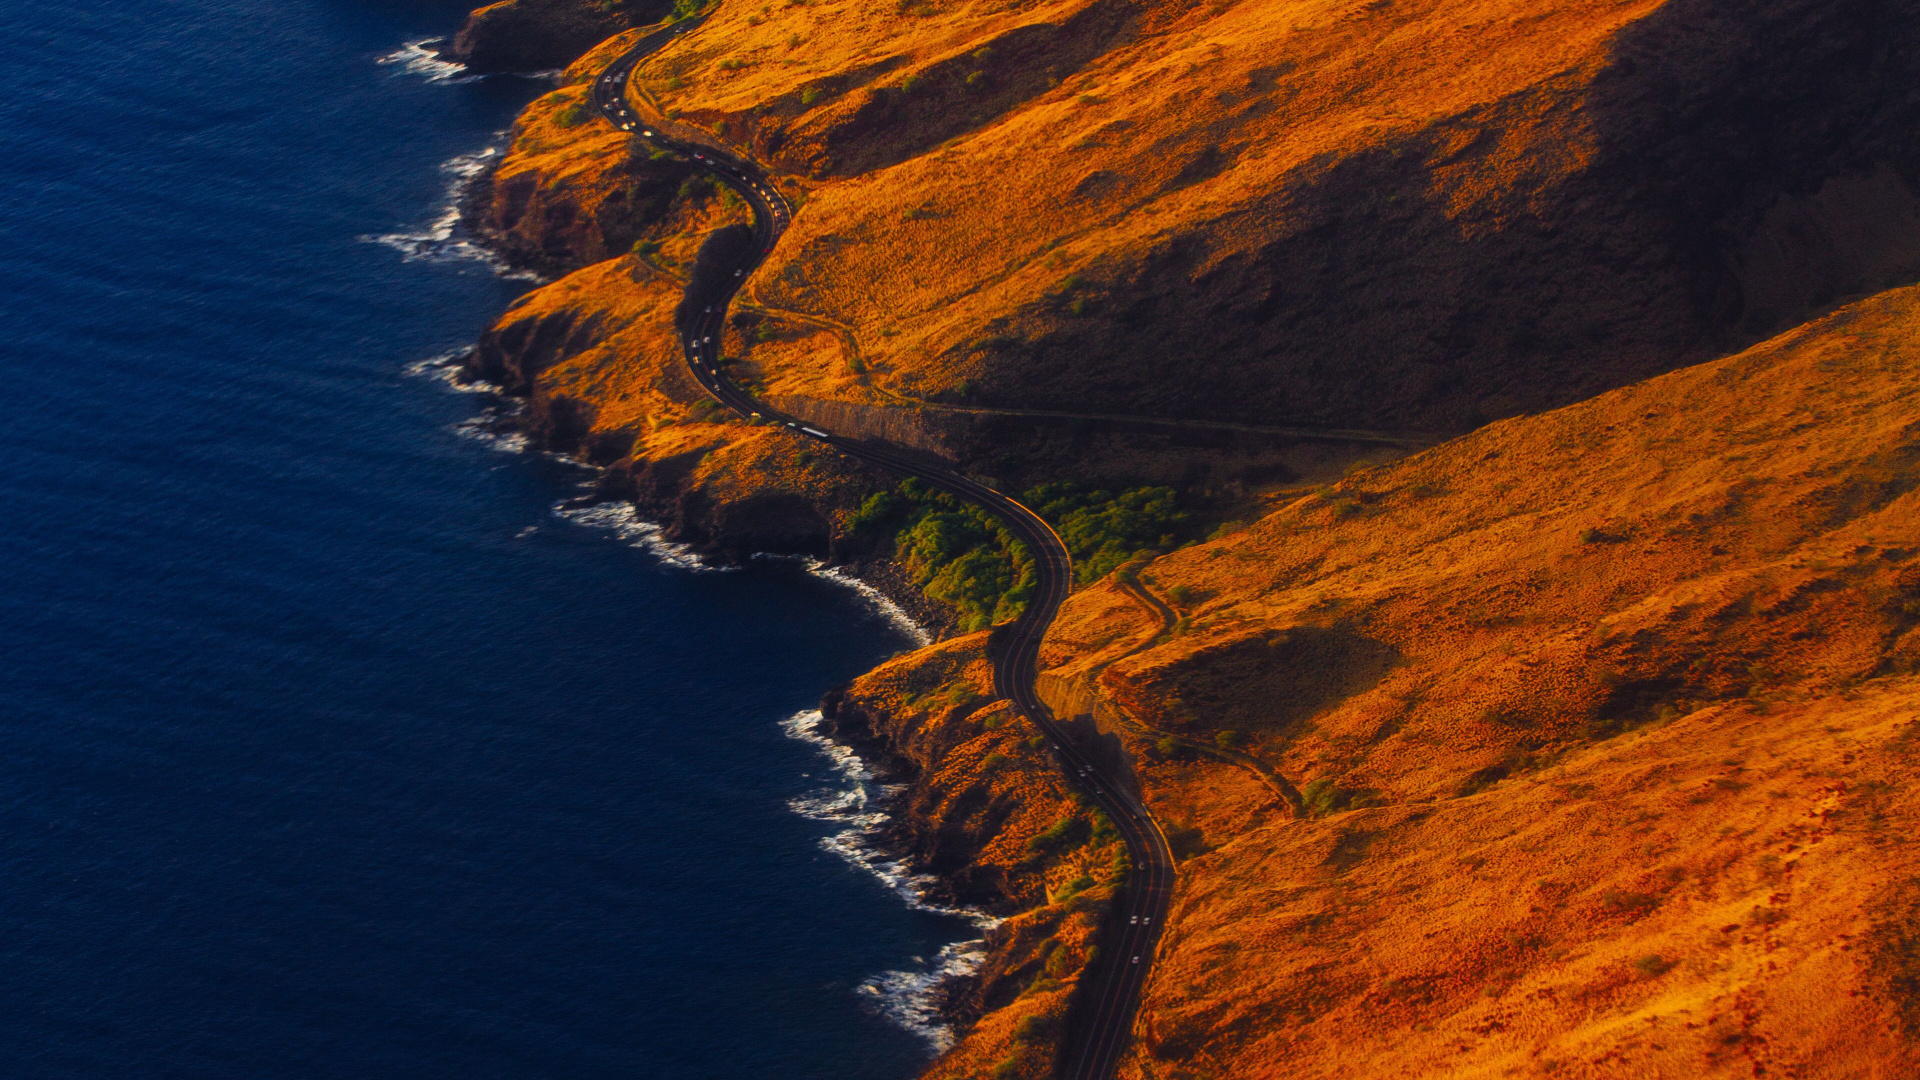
(932, 997)
(938, 998)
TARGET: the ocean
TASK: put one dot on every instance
(333, 741)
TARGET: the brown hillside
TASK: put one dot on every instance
(1375, 215)
(1579, 746)
(1607, 724)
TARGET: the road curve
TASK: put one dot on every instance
(1110, 991)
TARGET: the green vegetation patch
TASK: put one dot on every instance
(1065, 833)
(1325, 796)
(960, 554)
(1104, 529)
(955, 551)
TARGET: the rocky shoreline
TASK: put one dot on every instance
(729, 534)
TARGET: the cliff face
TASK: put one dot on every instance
(986, 809)
(1603, 728)
(540, 35)
(572, 191)
(595, 356)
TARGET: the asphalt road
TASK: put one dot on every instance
(1110, 991)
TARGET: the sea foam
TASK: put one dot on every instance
(450, 368)
(625, 522)
(876, 599)
(418, 58)
(857, 805)
(445, 239)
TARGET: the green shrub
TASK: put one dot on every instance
(573, 115)
(1102, 530)
(1038, 1028)
(876, 512)
(646, 247)
(911, 83)
(1228, 739)
(1065, 833)
(1103, 830)
(957, 553)
(810, 95)
(1324, 796)
(1059, 963)
(1072, 889)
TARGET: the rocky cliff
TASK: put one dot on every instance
(542, 35)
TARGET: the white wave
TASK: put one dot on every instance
(450, 368)
(857, 803)
(492, 428)
(415, 58)
(911, 996)
(878, 600)
(443, 240)
(625, 522)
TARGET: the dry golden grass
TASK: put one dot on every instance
(1634, 684)
(983, 798)
(1376, 214)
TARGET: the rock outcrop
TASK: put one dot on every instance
(542, 35)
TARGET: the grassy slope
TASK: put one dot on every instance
(1634, 682)
(1379, 214)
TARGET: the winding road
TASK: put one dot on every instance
(1110, 990)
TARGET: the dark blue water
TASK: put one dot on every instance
(326, 748)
